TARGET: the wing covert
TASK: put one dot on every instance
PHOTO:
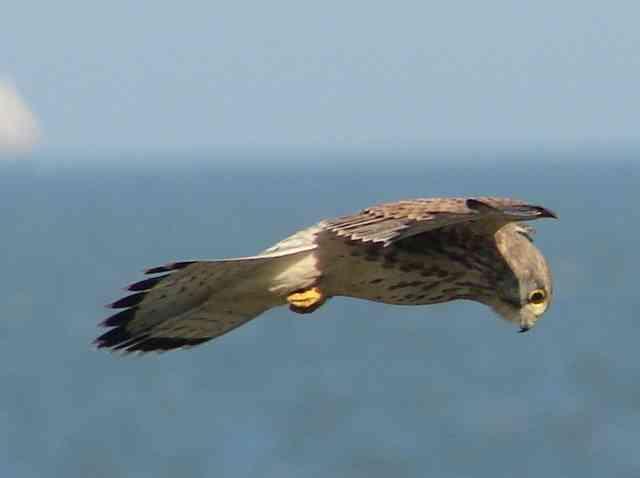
(392, 222)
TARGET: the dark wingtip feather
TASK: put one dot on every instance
(162, 344)
(169, 267)
(157, 270)
(544, 212)
(121, 318)
(523, 211)
(119, 339)
(477, 205)
(146, 284)
(529, 212)
(115, 338)
(128, 301)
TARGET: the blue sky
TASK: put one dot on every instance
(123, 76)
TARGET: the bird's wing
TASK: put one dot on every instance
(194, 301)
(391, 222)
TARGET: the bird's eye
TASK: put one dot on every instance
(538, 296)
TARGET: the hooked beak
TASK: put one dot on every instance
(527, 321)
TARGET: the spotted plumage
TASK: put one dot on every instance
(413, 252)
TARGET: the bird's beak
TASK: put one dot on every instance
(527, 320)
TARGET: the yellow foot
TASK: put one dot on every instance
(306, 301)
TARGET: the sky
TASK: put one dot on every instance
(174, 76)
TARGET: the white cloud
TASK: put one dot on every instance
(19, 130)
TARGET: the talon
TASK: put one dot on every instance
(306, 301)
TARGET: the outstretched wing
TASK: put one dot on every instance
(391, 222)
(195, 301)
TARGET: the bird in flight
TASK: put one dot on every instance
(411, 252)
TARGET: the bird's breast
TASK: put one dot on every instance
(394, 276)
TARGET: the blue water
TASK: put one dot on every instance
(355, 389)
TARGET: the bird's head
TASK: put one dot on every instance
(525, 291)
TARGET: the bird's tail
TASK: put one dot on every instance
(188, 303)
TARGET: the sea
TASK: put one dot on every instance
(356, 389)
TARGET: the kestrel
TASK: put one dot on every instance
(412, 252)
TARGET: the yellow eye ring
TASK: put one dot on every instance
(537, 297)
